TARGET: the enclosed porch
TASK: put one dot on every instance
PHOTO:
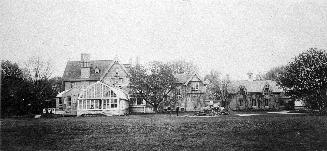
(100, 98)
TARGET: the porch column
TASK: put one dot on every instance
(102, 103)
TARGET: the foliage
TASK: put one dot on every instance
(214, 86)
(153, 82)
(273, 73)
(217, 88)
(225, 94)
(14, 90)
(24, 90)
(306, 78)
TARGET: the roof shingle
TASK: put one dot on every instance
(254, 86)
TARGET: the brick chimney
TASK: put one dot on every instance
(250, 76)
(85, 65)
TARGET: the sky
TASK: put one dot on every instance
(232, 36)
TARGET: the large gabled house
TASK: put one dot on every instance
(98, 87)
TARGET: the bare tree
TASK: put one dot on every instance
(214, 86)
(38, 69)
(38, 72)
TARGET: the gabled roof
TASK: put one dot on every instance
(123, 66)
(186, 78)
(59, 95)
(182, 78)
(254, 86)
(73, 69)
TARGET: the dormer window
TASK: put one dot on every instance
(266, 90)
(242, 90)
(96, 70)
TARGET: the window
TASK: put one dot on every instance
(96, 104)
(88, 104)
(80, 105)
(139, 101)
(254, 102)
(107, 94)
(242, 90)
(178, 91)
(136, 101)
(132, 101)
(266, 102)
(195, 86)
(69, 101)
(85, 64)
(84, 104)
(266, 90)
(96, 70)
(113, 94)
(106, 104)
(114, 103)
(241, 102)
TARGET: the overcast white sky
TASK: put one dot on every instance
(233, 37)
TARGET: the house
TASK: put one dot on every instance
(189, 93)
(98, 87)
(257, 94)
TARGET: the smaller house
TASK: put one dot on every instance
(189, 93)
(260, 94)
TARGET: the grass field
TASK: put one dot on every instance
(166, 132)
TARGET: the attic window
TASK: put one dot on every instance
(195, 86)
(96, 70)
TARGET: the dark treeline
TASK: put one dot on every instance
(25, 89)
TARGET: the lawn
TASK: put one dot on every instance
(166, 132)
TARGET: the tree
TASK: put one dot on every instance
(214, 86)
(23, 90)
(181, 66)
(13, 89)
(225, 94)
(273, 73)
(153, 83)
(306, 78)
(37, 69)
(38, 73)
(217, 89)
